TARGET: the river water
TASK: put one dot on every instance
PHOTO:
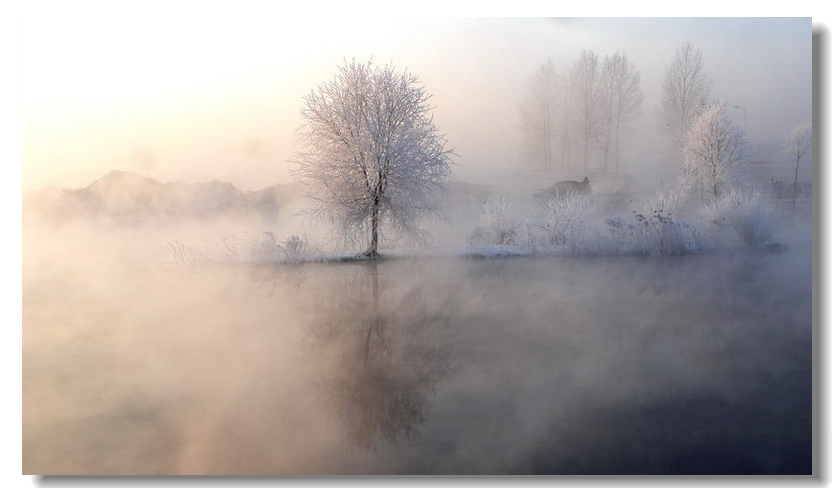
(617, 365)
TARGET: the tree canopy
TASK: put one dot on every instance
(371, 153)
(713, 151)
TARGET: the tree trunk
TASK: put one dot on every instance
(794, 186)
(374, 223)
(607, 150)
(547, 141)
(373, 251)
(586, 149)
(714, 180)
(716, 187)
(617, 145)
(566, 150)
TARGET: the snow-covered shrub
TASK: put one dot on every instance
(672, 202)
(499, 223)
(566, 218)
(746, 212)
(185, 256)
(266, 249)
(269, 249)
(561, 228)
(534, 238)
(294, 247)
(653, 231)
(664, 235)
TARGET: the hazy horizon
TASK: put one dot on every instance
(208, 98)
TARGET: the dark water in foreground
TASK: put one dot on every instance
(695, 365)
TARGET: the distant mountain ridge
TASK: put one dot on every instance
(128, 197)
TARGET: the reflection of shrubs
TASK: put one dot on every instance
(746, 212)
(499, 224)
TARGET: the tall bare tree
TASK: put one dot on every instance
(538, 115)
(797, 144)
(685, 92)
(586, 76)
(371, 152)
(622, 99)
(567, 109)
(713, 152)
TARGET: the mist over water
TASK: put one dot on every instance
(606, 365)
(168, 327)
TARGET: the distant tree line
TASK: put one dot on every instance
(577, 115)
(569, 113)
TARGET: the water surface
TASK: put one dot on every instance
(691, 365)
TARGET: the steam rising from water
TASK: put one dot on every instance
(699, 364)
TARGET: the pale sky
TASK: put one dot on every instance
(195, 96)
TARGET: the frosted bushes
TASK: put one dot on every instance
(657, 229)
(670, 202)
(668, 223)
(566, 226)
(566, 218)
(184, 255)
(653, 232)
(745, 212)
(499, 224)
(562, 228)
(263, 249)
(268, 249)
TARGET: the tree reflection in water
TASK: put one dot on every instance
(388, 357)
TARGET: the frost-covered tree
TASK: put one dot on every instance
(586, 76)
(713, 152)
(685, 92)
(622, 99)
(539, 115)
(371, 153)
(797, 144)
